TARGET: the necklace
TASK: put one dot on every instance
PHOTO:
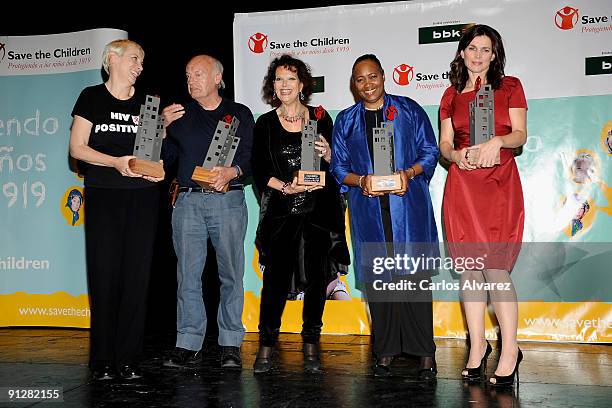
(291, 119)
(375, 109)
(376, 112)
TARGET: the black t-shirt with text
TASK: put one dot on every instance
(113, 132)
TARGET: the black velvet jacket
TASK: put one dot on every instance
(327, 206)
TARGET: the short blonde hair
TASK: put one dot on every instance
(118, 47)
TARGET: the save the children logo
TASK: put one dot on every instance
(403, 74)
(258, 42)
(3, 50)
(566, 18)
(585, 20)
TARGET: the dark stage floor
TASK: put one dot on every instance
(552, 375)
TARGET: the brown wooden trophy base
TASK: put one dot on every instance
(385, 184)
(146, 168)
(474, 152)
(311, 178)
(204, 177)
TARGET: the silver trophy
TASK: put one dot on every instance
(482, 122)
(147, 147)
(385, 178)
(310, 173)
(221, 152)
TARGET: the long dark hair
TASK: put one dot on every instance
(459, 74)
(294, 65)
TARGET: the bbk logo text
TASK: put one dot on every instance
(442, 34)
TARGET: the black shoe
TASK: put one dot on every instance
(130, 372)
(382, 367)
(508, 380)
(263, 361)
(428, 370)
(183, 358)
(230, 357)
(103, 373)
(477, 373)
(312, 358)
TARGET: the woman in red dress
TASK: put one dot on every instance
(483, 202)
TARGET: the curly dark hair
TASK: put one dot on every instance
(458, 72)
(294, 65)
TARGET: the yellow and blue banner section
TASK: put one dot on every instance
(43, 280)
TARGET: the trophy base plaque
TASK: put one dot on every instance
(474, 152)
(146, 168)
(311, 178)
(382, 184)
(204, 178)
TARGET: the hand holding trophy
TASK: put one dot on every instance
(310, 173)
(482, 122)
(385, 179)
(147, 147)
(220, 153)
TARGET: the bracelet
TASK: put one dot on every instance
(237, 171)
(282, 190)
(413, 173)
(359, 182)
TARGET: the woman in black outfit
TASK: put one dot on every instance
(121, 213)
(301, 232)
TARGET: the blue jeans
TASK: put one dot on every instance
(222, 218)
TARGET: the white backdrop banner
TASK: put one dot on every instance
(561, 51)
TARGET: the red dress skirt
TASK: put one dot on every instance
(483, 209)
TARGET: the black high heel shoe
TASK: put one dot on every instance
(476, 373)
(508, 380)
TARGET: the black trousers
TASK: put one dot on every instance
(401, 326)
(295, 233)
(120, 228)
